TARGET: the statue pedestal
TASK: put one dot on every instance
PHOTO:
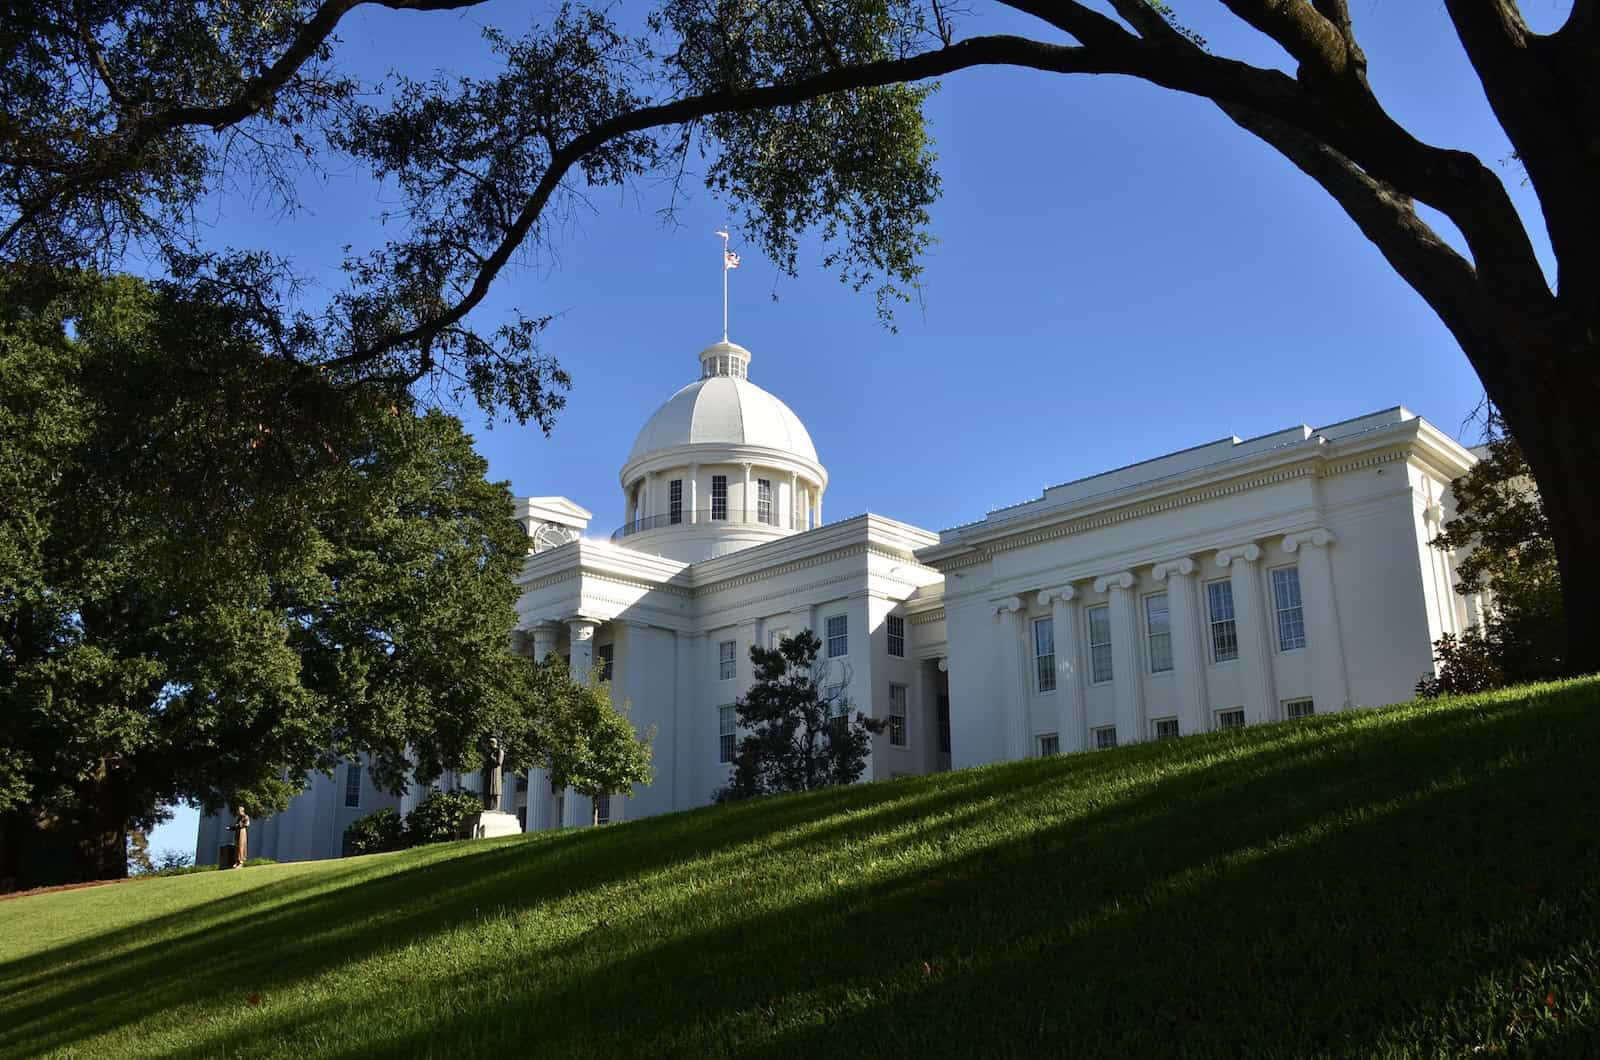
(491, 823)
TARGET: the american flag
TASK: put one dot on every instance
(730, 259)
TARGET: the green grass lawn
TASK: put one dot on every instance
(1421, 881)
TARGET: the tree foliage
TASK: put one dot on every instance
(800, 732)
(581, 738)
(439, 817)
(211, 582)
(376, 833)
(1500, 527)
(122, 115)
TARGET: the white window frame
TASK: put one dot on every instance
(1218, 715)
(602, 807)
(896, 627)
(903, 717)
(1294, 613)
(764, 501)
(1292, 705)
(1217, 626)
(842, 635)
(1049, 744)
(727, 660)
(352, 778)
(1094, 659)
(719, 498)
(776, 637)
(1104, 737)
(837, 706)
(727, 733)
(1044, 662)
(1151, 636)
(605, 659)
(1156, 726)
(675, 501)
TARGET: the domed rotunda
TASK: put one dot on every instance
(721, 466)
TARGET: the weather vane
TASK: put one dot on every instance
(730, 260)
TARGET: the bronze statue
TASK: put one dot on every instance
(493, 759)
(241, 830)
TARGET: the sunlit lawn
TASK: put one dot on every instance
(1423, 880)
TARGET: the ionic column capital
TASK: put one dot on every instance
(582, 627)
(1182, 567)
(1318, 538)
(1226, 557)
(1011, 604)
(1120, 580)
(1064, 593)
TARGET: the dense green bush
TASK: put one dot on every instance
(439, 817)
(376, 833)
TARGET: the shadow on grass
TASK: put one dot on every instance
(1354, 885)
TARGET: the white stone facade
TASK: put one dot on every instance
(1233, 583)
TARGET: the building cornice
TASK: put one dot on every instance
(1410, 440)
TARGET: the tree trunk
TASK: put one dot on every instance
(1549, 400)
(102, 839)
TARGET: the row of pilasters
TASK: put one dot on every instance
(1189, 626)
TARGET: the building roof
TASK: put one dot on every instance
(724, 408)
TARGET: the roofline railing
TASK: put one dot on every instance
(707, 516)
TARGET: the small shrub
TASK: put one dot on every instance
(376, 833)
(439, 817)
(1466, 664)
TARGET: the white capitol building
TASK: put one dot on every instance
(1237, 582)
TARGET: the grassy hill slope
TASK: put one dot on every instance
(1423, 880)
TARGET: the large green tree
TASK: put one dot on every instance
(799, 731)
(119, 113)
(212, 582)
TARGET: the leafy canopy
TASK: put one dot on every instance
(800, 733)
(212, 582)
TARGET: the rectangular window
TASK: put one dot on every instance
(1164, 728)
(1231, 719)
(1224, 631)
(897, 636)
(1158, 628)
(1044, 654)
(605, 653)
(675, 501)
(352, 785)
(719, 496)
(1099, 643)
(602, 810)
(727, 660)
(838, 628)
(897, 716)
(727, 732)
(838, 709)
(1298, 708)
(944, 725)
(764, 501)
(776, 637)
(1286, 601)
(1049, 744)
(1105, 737)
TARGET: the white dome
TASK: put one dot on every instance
(724, 410)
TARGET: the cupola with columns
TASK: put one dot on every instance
(721, 466)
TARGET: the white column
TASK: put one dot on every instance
(1323, 637)
(1255, 652)
(747, 516)
(694, 492)
(1126, 669)
(1071, 721)
(1013, 741)
(819, 505)
(1188, 644)
(795, 522)
(541, 800)
(580, 633)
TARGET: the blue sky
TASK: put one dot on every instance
(1119, 272)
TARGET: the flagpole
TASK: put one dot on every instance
(724, 236)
